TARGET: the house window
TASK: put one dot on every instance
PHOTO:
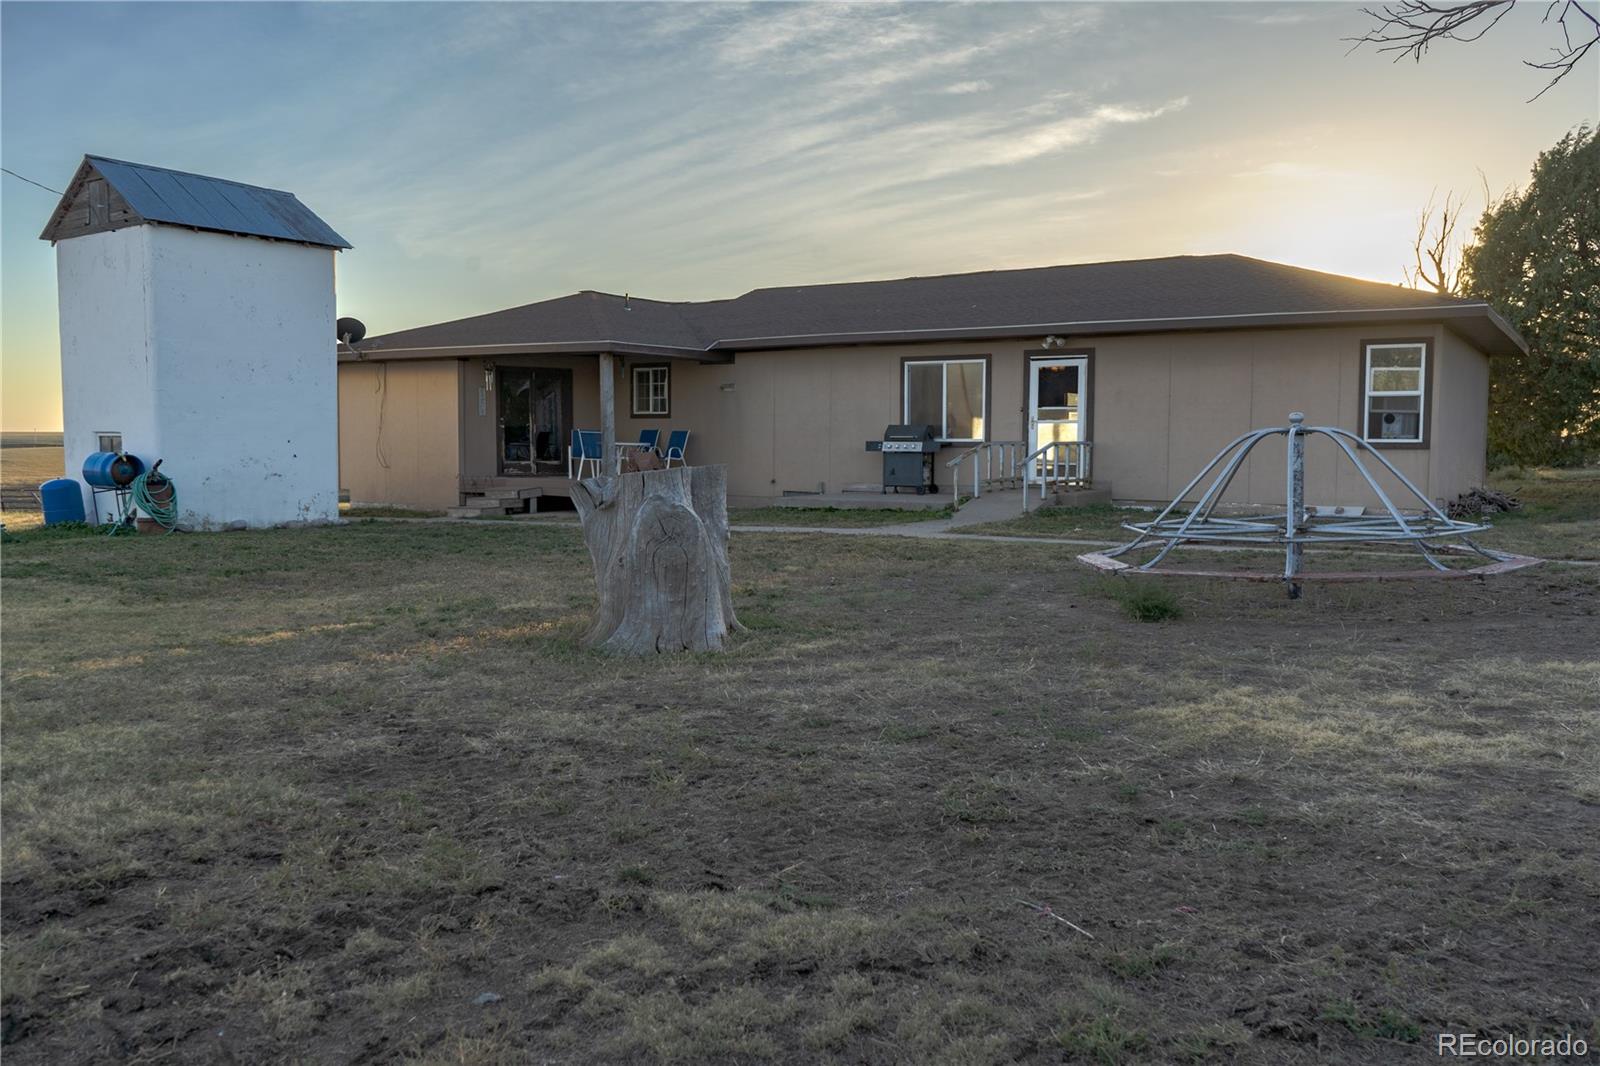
(109, 442)
(948, 394)
(652, 395)
(1395, 386)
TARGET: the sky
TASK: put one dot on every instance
(485, 155)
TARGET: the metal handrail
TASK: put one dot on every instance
(1071, 470)
(983, 470)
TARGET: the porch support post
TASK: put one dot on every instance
(608, 411)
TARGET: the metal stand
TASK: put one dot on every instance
(120, 495)
(1295, 524)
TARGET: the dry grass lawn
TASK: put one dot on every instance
(1559, 518)
(357, 795)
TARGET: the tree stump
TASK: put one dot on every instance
(659, 541)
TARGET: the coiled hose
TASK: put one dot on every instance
(153, 493)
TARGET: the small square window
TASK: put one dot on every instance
(109, 442)
(652, 391)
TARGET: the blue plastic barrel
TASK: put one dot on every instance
(111, 470)
(62, 498)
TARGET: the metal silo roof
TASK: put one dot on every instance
(182, 199)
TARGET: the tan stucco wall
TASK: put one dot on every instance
(1172, 401)
(797, 421)
(1461, 430)
(413, 462)
(1163, 405)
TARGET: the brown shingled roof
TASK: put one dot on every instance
(1132, 296)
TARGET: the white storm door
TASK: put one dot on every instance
(1058, 405)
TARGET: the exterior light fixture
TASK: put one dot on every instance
(1053, 341)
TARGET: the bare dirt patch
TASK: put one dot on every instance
(312, 794)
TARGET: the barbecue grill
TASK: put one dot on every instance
(907, 457)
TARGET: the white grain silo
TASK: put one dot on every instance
(197, 327)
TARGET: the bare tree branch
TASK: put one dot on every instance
(1569, 55)
(1437, 258)
(1409, 27)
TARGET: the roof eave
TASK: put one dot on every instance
(1478, 322)
(1505, 330)
(340, 247)
(371, 351)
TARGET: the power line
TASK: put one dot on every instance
(30, 181)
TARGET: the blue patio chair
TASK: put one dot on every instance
(585, 448)
(677, 444)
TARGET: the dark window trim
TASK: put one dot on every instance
(1427, 392)
(633, 390)
(988, 392)
(1087, 355)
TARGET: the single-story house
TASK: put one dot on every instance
(1157, 362)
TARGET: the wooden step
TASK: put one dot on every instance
(499, 486)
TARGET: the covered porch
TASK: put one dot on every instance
(520, 411)
(486, 425)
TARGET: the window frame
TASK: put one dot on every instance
(1424, 394)
(633, 390)
(1085, 388)
(984, 360)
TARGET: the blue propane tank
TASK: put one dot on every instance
(112, 470)
(62, 499)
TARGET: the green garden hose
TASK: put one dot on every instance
(153, 493)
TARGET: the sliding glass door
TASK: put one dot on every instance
(535, 416)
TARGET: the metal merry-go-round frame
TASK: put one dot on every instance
(1201, 525)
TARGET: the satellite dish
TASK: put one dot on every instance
(350, 330)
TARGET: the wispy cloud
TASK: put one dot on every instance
(1075, 130)
(808, 35)
(1295, 15)
(964, 88)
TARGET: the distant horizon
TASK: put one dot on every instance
(695, 151)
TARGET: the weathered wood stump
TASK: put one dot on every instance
(659, 541)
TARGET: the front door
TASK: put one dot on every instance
(1058, 402)
(535, 411)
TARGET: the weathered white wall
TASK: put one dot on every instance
(220, 362)
(107, 367)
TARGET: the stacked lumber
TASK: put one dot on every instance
(493, 503)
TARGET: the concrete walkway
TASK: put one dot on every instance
(990, 507)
